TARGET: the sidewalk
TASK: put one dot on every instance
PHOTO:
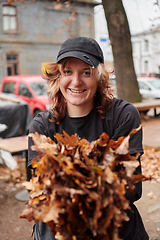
(149, 204)
(151, 132)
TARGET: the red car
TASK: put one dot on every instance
(29, 88)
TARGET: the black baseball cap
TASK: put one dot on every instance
(83, 48)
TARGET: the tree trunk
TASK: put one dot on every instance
(120, 37)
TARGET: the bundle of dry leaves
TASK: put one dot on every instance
(79, 188)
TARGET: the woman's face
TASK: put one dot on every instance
(78, 85)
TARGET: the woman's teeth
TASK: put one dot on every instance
(76, 91)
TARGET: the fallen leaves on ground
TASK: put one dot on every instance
(16, 175)
(150, 161)
(14, 178)
(79, 188)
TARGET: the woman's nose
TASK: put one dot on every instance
(76, 79)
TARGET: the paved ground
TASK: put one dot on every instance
(149, 204)
(149, 208)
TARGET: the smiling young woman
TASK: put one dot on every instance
(78, 86)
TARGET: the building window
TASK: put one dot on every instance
(10, 24)
(146, 45)
(12, 63)
(146, 66)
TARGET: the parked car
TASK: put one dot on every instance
(29, 88)
(149, 87)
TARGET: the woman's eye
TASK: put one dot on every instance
(87, 73)
(67, 72)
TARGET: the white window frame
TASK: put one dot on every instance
(146, 66)
(146, 45)
(9, 15)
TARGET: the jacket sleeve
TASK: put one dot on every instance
(42, 125)
(127, 119)
(132, 197)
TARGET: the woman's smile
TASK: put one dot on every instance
(76, 91)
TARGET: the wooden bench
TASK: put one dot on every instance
(14, 145)
(147, 105)
(17, 145)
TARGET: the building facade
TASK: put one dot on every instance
(146, 53)
(32, 32)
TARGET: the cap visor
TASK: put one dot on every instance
(85, 57)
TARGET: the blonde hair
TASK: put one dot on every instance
(103, 98)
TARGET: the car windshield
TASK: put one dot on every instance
(40, 88)
(155, 84)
